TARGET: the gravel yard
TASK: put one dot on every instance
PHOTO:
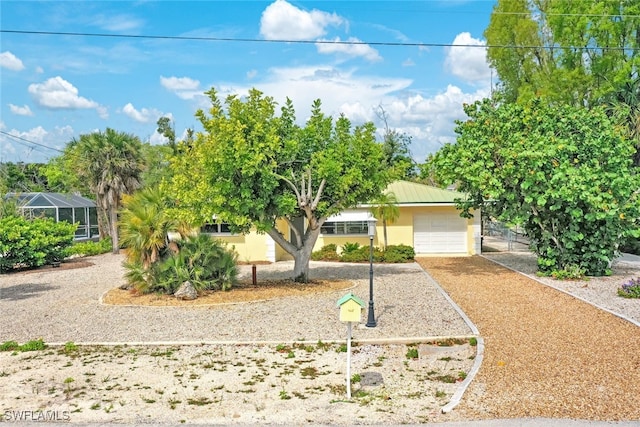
(64, 305)
(546, 354)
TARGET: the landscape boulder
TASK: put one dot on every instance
(186, 291)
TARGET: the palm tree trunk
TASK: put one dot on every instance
(384, 231)
(113, 216)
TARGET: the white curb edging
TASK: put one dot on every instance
(457, 396)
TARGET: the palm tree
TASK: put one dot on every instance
(111, 163)
(145, 225)
(385, 208)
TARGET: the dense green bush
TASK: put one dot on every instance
(32, 243)
(326, 253)
(362, 254)
(205, 262)
(350, 247)
(399, 253)
(353, 252)
(90, 248)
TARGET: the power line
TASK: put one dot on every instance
(30, 142)
(580, 15)
(327, 42)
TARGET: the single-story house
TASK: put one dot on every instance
(429, 222)
(61, 207)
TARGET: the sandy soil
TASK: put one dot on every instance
(240, 293)
(292, 384)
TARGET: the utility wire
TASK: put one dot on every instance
(30, 142)
(327, 42)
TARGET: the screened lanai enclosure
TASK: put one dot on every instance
(61, 207)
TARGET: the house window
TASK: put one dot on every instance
(216, 228)
(344, 227)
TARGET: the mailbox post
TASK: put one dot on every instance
(350, 311)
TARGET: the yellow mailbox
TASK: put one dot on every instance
(350, 308)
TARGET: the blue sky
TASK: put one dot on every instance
(56, 87)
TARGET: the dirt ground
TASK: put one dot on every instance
(281, 384)
(240, 293)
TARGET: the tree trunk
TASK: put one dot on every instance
(301, 262)
(113, 217)
(103, 222)
(301, 255)
(384, 231)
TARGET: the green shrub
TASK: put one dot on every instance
(326, 253)
(399, 253)
(362, 255)
(33, 345)
(569, 272)
(201, 260)
(33, 243)
(90, 248)
(350, 247)
(9, 346)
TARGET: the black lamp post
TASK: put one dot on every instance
(371, 318)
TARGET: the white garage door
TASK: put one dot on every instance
(439, 233)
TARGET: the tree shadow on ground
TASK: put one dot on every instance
(462, 266)
(25, 291)
(328, 270)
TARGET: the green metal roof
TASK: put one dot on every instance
(411, 192)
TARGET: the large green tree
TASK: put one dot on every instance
(22, 177)
(111, 163)
(564, 173)
(567, 51)
(397, 152)
(251, 167)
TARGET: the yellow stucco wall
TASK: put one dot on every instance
(250, 247)
(255, 247)
(401, 231)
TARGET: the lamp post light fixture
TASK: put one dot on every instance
(371, 317)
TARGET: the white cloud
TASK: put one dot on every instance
(10, 61)
(408, 63)
(183, 87)
(251, 74)
(430, 121)
(468, 62)
(283, 21)
(117, 23)
(39, 70)
(56, 138)
(179, 83)
(103, 113)
(353, 47)
(144, 115)
(21, 111)
(57, 93)
(337, 88)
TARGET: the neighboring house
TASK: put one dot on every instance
(61, 207)
(428, 221)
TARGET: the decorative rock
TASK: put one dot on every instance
(186, 291)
